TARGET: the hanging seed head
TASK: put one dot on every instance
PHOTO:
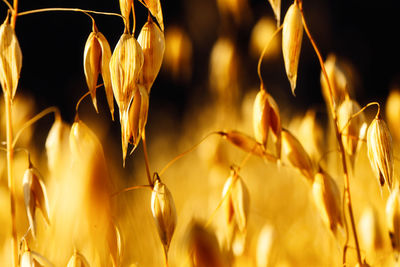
(393, 113)
(380, 151)
(125, 7)
(296, 155)
(56, 142)
(355, 130)
(393, 218)
(164, 212)
(96, 60)
(35, 196)
(276, 7)
(292, 35)
(203, 247)
(236, 203)
(27, 259)
(371, 234)
(125, 68)
(327, 199)
(10, 59)
(154, 7)
(152, 41)
(77, 260)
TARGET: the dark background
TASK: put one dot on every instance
(365, 33)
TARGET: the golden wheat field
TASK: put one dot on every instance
(199, 133)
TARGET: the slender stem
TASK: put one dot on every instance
(134, 17)
(14, 14)
(263, 54)
(359, 112)
(35, 119)
(339, 139)
(146, 158)
(80, 100)
(8, 5)
(131, 189)
(11, 186)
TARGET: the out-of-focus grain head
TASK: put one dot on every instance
(353, 131)
(294, 152)
(393, 218)
(260, 35)
(371, 235)
(10, 59)
(393, 113)
(56, 145)
(328, 200)
(155, 9)
(125, 68)
(292, 35)
(264, 252)
(152, 41)
(178, 54)
(203, 247)
(77, 260)
(380, 151)
(35, 197)
(164, 212)
(239, 10)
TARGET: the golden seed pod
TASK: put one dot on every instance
(393, 218)
(371, 234)
(77, 260)
(265, 118)
(276, 7)
(152, 41)
(125, 68)
(393, 113)
(236, 204)
(380, 151)
(203, 247)
(125, 7)
(293, 150)
(265, 244)
(10, 59)
(35, 196)
(56, 143)
(292, 35)
(154, 7)
(164, 212)
(327, 199)
(355, 130)
(96, 60)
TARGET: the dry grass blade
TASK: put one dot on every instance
(296, 154)
(292, 35)
(152, 42)
(10, 59)
(35, 196)
(380, 151)
(154, 7)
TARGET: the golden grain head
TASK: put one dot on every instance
(370, 232)
(265, 244)
(164, 212)
(294, 152)
(125, 7)
(292, 35)
(57, 143)
(393, 113)
(77, 260)
(35, 197)
(380, 151)
(10, 59)
(393, 218)
(27, 260)
(353, 132)
(152, 41)
(154, 7)
(125, 69)
(328, 200)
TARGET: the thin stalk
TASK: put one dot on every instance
(339, 139)
(11, 186)
(131, 189)
(146, 158)
(359, 112)
(14, 14)
(8, 5)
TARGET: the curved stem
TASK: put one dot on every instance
(8, 5)
(80, 100)
(146, 159)
(263, 54)
(35, 119)
(359, 112)
(339, 139)
(186, 152)
(130, 189)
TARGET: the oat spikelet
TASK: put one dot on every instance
(10, 59)
(296, 155)
(276, 7)
(380, 151)
(265, 244)
(393, 218)
(327, 199)
(105, 70)
(152, 41)
(77, 260)
(154, 7)
(125, 7)
(35, 196)
(164, 212)
(56, 143)
(292, 35)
